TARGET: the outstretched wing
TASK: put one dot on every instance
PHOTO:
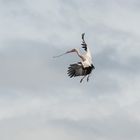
(83, 34)
(84, 45)
(76, 70)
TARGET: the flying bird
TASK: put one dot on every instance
(85, 66)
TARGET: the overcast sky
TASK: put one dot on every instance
(37, 98)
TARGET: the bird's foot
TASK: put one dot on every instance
(87, 79)
(81, 80)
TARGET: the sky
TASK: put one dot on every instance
(37, 98)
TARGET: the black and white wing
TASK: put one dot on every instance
(76, 70)
(84, 45)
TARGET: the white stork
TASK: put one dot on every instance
(85, 66)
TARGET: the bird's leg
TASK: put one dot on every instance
(88, 78)
(82, 79)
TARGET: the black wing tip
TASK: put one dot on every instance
(84, 46)
(83, 34)
(71, 71)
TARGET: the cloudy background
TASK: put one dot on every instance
(38, 100)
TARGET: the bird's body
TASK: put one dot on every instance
(88, 59)
(85, 66)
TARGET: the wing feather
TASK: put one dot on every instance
(76, 70)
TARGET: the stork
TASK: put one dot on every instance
(85, 66)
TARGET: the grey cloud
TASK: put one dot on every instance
(38, 100)
(30, 65)
(113, 63)
(109, 128)
(26, 61)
